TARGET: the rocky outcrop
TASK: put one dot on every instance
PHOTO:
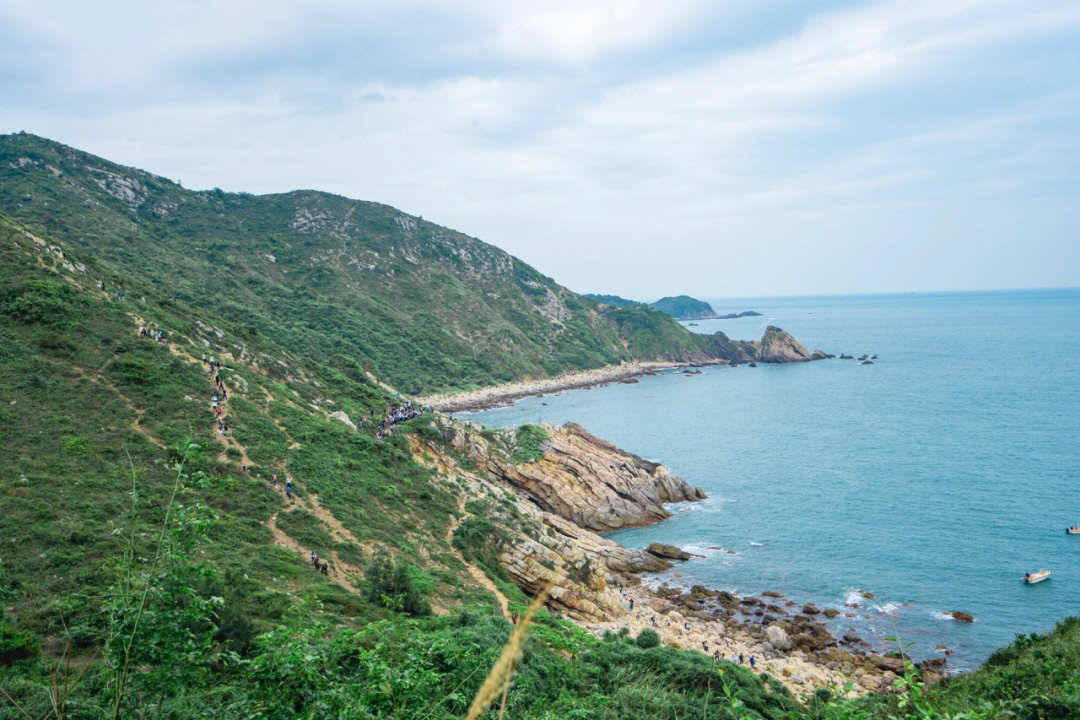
(667, 551)
(582, 478)
(777, 346)
(545, 549)
(341, 417)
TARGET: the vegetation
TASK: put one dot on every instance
(684, 307)
(321, 282)
(150, 565)
(528, 443)
(612, 300)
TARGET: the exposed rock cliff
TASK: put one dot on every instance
(544, 549)
(777, 346)
(583, 478)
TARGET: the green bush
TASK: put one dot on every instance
(647, 638)
(390, 585)
(529, 440)
(15, 645)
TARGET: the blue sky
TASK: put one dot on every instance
(641, 148)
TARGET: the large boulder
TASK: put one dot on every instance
(778, 638)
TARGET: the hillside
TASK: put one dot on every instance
(612, 300)
(144, 537)
(331, 281)
(684, 307)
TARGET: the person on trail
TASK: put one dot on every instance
(288, 492)
(325, 568)
(631, 603)
(273, 480)
(314, 559)
(751, 662)
(214, 399)
(740, 659)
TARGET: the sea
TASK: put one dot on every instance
(932, 479)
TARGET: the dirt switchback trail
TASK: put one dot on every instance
(479, 575)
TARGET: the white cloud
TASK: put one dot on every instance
(516, 130)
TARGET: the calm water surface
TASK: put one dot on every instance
(934, 478)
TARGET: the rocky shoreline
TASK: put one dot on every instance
(500, 395)
(557, 506)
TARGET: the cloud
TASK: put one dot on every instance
(705, 142)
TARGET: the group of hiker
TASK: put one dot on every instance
(155, 335)
(398, 414)
(319, 564)
(288, 485)
(718, 646)
(220, 396)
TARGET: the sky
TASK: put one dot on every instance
(718, 149)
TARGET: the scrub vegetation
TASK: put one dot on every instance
(150, 566)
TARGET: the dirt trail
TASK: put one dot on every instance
(336, 569)
(137, 412)
(479, 575)
(421, 456)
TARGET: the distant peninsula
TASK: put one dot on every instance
(732, 316)
(680, 307)
(684, 307)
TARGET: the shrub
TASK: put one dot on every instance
(529, 440)
(391, 586)
(15, 645)
(648, 638)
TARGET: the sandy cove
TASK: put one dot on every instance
(498, 395)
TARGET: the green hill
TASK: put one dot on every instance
(684, 307)
(326, 279)
(159, 556)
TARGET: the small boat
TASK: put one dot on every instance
(1036, 577)
(1074, 530)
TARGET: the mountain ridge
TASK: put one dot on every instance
(335, 280)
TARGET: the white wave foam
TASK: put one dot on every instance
(756, 544)
(940, 615)
(890, 608)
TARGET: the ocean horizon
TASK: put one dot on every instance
(932, 479)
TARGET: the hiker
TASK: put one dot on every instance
(325, 568)
(288, 492)
(313, 557)
(751, 662)
(740, 659)
(631, 603)
(273, 480)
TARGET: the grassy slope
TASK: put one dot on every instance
(84, 402)
(332, 281)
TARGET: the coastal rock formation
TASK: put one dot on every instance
(582, 478)
(592, 580)
(545, 550)
(777, 346)
(667, 551)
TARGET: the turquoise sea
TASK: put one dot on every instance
(933, 478)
